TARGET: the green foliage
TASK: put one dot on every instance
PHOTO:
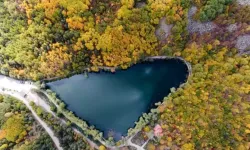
(234, 14)
(43, 142)
(53, 108)
(88, 130)
(212, 8)
(39, 111)
(4, 147)
(1, 98)
(3, 109)
(62, 105)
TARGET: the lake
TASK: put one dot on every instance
(114, 101)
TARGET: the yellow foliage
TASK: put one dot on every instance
(193, 53)
(115, 46)
(150, 146)
(159, 5)
(102, 147)
(14, 128)
(188, 146)
(128, 3)
(217, 84)
(4, 147)
(76, 22)
(55, 60)
(146, 129)
(123, 12)
(209, 47)
(94, 68)
(248, 28)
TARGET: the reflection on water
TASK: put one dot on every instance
(148, 70)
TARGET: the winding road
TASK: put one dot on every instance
(18, 89)
(11, 87)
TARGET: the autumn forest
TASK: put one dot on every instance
(50, 39)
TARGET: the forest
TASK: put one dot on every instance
(68, 138)
(18, 129)
(48, 39)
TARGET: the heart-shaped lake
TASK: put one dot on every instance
(114, 101)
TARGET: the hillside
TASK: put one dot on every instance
(50, 39)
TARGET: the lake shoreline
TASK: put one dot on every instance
(110, 69)
(148, 60)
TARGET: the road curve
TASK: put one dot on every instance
(14, 88)
(44, 125)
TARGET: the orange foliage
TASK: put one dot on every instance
(76, 22)
(2, 134)
(56, 60)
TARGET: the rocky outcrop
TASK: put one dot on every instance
(243, 43)
(164, 29)
(244, 2)
(196, 26)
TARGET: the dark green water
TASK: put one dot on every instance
(115, 101)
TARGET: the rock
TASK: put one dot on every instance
(8, 114)
(194, 26)
(140, 4)
(164, 29)
(243, 2)
(232, 27)
(243, 43)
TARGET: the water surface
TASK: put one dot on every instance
(114, 101)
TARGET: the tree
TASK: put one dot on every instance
(188, 114)
(4, 147)
(213, 8)
(102, 147)
(62, 105)
(14, 128)
(39, 111)
(1, 98)
(53, 108)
